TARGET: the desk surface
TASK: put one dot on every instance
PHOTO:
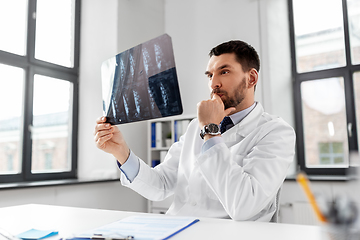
(70, 220)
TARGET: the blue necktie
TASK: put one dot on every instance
(225, 124)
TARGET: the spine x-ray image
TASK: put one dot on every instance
(141, 83)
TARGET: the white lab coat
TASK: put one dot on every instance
(238, 179)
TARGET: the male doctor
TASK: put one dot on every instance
(235, 172)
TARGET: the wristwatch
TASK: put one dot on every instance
(212, 129)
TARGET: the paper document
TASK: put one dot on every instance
(144, 227)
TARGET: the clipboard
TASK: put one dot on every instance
(139, 228)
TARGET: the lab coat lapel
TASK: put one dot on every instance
(246, 126)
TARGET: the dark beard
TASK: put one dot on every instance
(234, 101)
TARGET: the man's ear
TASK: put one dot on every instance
(253, 74)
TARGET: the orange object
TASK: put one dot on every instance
(304, 183)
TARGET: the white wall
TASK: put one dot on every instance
(276, 62)
(195, 28)
(98, 43)
(103, 195)
(108, 28)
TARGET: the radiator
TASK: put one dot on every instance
(304, 214)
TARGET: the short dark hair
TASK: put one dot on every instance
(246, 55)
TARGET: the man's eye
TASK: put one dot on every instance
(209, 76)
(224, 72)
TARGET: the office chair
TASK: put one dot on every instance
(275, 217)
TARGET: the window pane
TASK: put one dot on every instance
(337, 148)
(354, 29)
(324, 147)
(338, 160)
(51, 131)
(55, 32)
(324, 119)
(13, 19)
(325, 160)
(319, 35)
(11, 106)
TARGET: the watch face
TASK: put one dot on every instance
(213, 128)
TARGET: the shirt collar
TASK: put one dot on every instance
(237, 117)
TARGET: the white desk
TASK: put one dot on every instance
(69, 220)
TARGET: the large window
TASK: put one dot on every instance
(325, 46)
(39, 49)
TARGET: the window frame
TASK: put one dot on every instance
(297, 78)
(32, 66)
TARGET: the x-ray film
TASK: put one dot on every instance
(141, 83)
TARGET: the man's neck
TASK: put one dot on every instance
(239, 116)
(243, 105)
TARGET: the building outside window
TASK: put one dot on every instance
(331, 153)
